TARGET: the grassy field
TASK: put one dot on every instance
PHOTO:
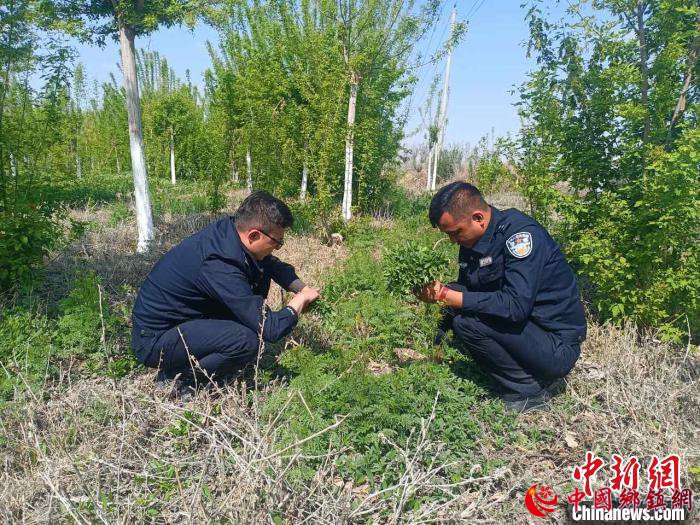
(355, 418)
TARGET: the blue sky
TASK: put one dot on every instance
(487, 65)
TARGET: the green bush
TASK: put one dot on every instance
(391, 406)
(637, 245)
(119, 213)
(366, 324)
(409, 266)
(33, 343)
(29, 227)
(80, 323)
(26, 350)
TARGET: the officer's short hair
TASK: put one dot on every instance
(263, 211)
(457, 198)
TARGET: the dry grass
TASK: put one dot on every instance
(99, 450)
(103, 452)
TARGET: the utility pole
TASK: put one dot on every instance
(442, 119)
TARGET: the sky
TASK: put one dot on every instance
(488, 64)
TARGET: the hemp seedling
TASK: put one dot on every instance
(410, 266)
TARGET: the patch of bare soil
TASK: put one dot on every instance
(311, 258)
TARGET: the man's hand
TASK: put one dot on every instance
(310, 294)
(429, 292)
(304, 298)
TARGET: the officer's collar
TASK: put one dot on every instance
(482, 245)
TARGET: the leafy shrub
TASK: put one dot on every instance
(79, 328)
(29, 227)
(33, 343)
(26, 348)
(409, 266)
(637, 245)
(389, 405)
(305, 216)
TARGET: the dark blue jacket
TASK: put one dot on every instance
(517, 272)
(212, 275)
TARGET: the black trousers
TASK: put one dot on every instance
(522, 358)
(219, 346)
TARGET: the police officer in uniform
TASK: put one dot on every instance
(515, 306)
(204, 298)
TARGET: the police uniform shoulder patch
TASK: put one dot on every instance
(520, 244)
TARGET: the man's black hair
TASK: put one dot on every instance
(458, 199)
(262, 211)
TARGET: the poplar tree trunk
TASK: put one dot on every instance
(349, 146)
(78, 164)
(429, 171)
(249, 170)
(172, 158)
(234, 172)
(144, 219)
(443, 102)
(13, 166)
(304, 177)
(304, 181)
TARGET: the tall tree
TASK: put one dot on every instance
(601, 118)
(124, 20)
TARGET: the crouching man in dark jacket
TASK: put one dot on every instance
(515, 306)
(204, 298)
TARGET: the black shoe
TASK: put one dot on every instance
(184, 388)
(520, 404)
(439, 337)
(444, 326)
(556, 387)
(161, 378)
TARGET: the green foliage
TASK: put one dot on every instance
(411, 265)
(492, 170)
(26, 349)
(34, 343)
(608, 155)
(365, 324)
(119, 213)
(28, 229)
(281, 81)
(82, 316)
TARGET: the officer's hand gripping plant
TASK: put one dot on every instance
(409, 267)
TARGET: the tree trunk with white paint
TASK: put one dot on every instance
(172, 158)
(304, 177)
(349, 146)
(433, 171)
(234, 172)
(429, 170)
(443, 105)
(13, 166)
(78, 165)
(144, 219)
(249, 171)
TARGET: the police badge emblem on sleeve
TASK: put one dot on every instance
(520, 244)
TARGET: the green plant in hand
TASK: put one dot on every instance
(410, 266)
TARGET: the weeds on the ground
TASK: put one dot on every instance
(339, 428)
(34, 340)
(360, 376)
